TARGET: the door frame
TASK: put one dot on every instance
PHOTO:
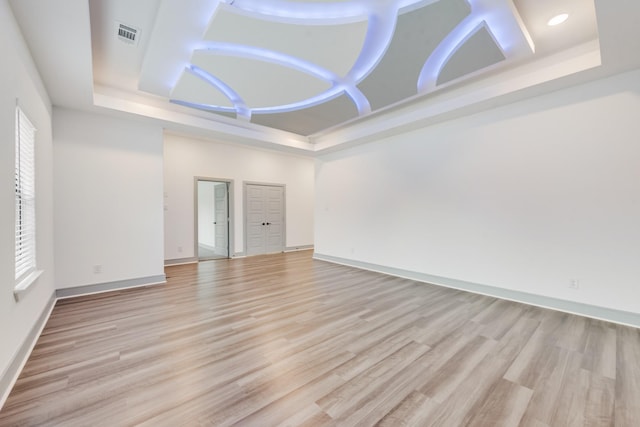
(230, 214)
(244, 211)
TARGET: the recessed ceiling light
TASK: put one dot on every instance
(558, 19)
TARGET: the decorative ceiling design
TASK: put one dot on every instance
(313, 67)
(256, 58)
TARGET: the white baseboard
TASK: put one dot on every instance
(286, 249)
(298, 248)
(110, 286)
(11, 374)
(180, 261)
(596, 312)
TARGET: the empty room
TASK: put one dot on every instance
(320, 213)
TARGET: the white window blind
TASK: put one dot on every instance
(25, 197)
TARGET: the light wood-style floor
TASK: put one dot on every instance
(286, 340)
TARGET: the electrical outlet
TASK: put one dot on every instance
(180, 249)
(574, 284)
(97, 269)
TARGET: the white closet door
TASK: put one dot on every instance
(264, 215)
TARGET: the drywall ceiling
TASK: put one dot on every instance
(300, 73)
(305, 66)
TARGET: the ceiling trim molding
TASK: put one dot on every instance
(456, 101)
(524, 81)
(213, 126)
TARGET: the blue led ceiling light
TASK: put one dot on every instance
(180, 25)
(206, 107)
(499, 17)
(239, 106)
(242, 51)
(381, 18)
(292, 12)
(506, 27)
(339, 85)
(432, 68)
(323, 97)
(382, 24)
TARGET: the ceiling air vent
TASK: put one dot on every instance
(127, 33)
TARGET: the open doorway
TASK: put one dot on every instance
(212, 219)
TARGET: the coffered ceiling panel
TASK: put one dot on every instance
(417, 34)
(198, 90)
(312, 119)
(266, 85)
(477, 53)
(333, 48)
(306, 66)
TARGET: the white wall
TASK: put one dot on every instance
(108, 199)
(186, 158)
(525, 197)
(19, 80)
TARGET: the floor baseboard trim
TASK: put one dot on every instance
(298, 248)
(601, 313)
(180, 261)
(11, 374)
(110, 286)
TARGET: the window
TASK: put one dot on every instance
(25, 202)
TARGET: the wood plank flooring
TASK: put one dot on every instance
(283, 340)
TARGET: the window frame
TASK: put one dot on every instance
(25, 247)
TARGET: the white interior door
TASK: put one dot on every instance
(255, 220)
(206, 219)
(221, 219)
(213, 219)
(265, 220)
(274, 214)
